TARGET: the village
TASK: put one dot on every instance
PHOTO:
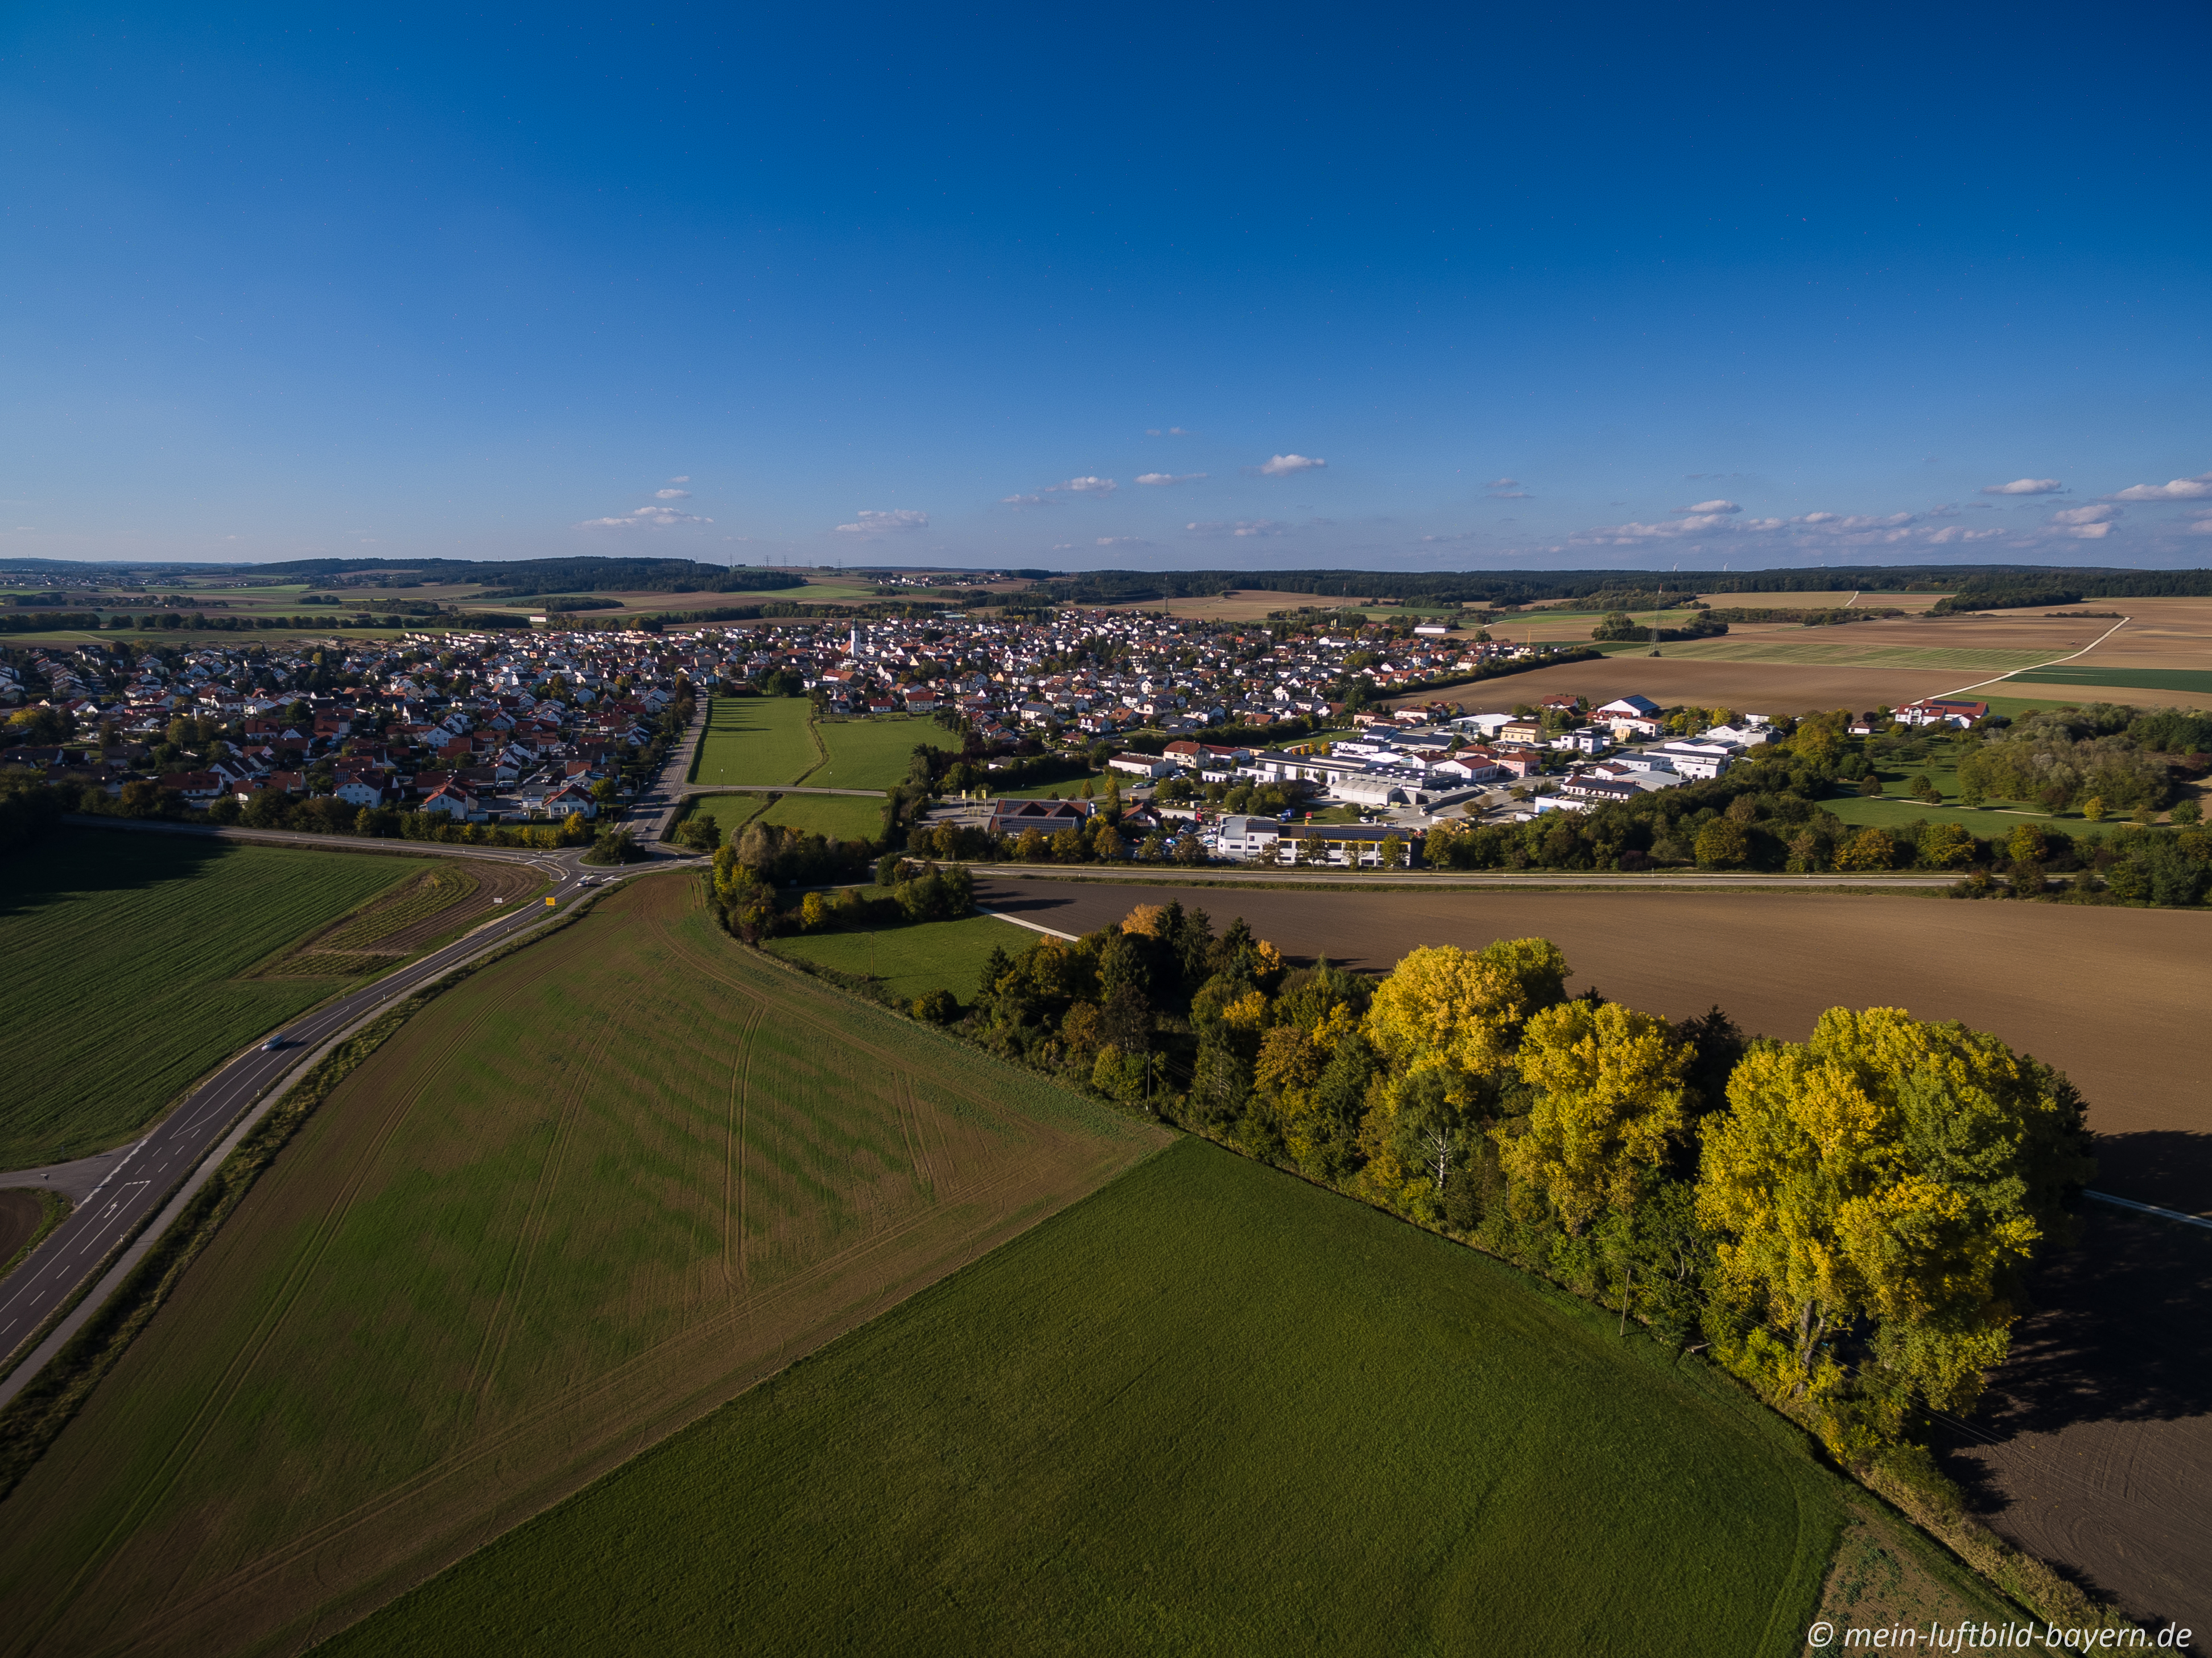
(517, 727)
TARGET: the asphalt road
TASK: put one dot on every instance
(651, 813)
(142, 1179)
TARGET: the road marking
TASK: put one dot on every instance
(2148, 1209)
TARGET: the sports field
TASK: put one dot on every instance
(122, 965)
(910, 960)
(754, 741)
(589, 1194)
(874, 754)
(1210, 1409)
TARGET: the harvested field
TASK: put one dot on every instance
(590, 1194)
(1836, 647)
(1774, 688)
(123, 968)
(20, 1213)
(1211, 1409)
(2113, 996)
(756, 741)
(2095, 1448)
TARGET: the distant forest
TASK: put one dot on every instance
(1965, 586)
(1969, 587)
(528, 577)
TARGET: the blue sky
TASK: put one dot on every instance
(1638, 286)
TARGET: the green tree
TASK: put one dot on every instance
(1723, 844)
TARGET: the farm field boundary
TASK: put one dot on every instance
(579, 1199)
(1342, 1435)
(168, 927)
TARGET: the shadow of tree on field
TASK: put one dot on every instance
(72, 860)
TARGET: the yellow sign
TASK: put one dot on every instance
(549, 903)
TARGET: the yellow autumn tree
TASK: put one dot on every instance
(1609, 1084)
(1893, 1176)
(1443, 1020)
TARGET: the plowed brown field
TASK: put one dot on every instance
(1768, 688)
(585, 1197)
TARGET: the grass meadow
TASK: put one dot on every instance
(910, 960)
(873, 754)
(2092, 681)
(1210, 1409)
(120, 963)
(846, 816)
(583, 1197)
(756, 741)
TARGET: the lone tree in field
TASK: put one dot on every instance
(1887, 1183)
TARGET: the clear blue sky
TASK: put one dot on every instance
(1536, 283)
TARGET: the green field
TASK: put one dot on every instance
(1210, 1409)
(874, 754)
(120, 960)
(756, 741)
(1895, 810)
(2136, 679)
(732, 811)
(1847, 652)
(1067, 789)
(846, 816)
(585, 1197)
(910, 960)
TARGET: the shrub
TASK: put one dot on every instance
(934, 1006)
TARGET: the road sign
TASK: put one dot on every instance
(549, 902)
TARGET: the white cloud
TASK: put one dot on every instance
(1510, 495)
(673, 494)
(1021, 500)
(902, 518)
(1123, 540)
(2081, 517)
(1951, 533)
(681, 477)
(1243, 526)
(2196, 489)
(1178, 432)
(1151, 431)
(2090, 532)
(1278, 467)
(1160, 478)
(1086, 486)
(2200, 526)
(642, 516)
(1712, 508)
(2024, 487)
(1503, 483)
